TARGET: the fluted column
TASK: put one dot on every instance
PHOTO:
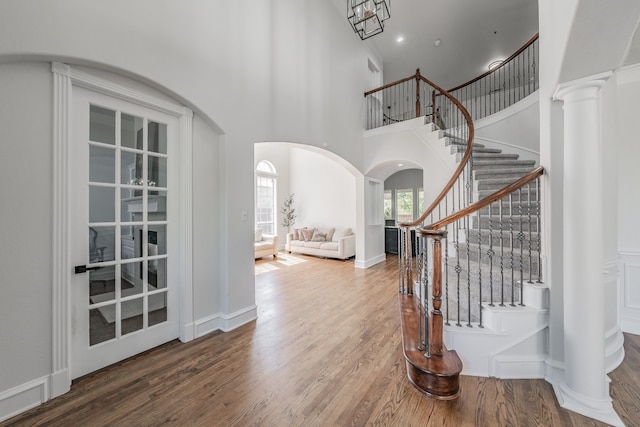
(585, 387)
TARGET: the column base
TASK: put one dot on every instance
(598, 409)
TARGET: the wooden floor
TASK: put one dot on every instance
(325, 351)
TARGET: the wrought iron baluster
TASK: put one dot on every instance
(490, 254)
(501, 255)
(425, 296)
(511, 251)
(539, 211)
(446, 284)
(521, 239)
(420, 261)
(458, 269)
(530, 233)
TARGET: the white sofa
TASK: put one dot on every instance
(265, 245)
(325, 242)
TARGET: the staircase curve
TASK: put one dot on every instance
(477, 287)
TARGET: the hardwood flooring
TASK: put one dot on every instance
(325, 351)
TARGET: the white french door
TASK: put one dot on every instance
(124, 226)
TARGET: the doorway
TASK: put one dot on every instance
(124, 228)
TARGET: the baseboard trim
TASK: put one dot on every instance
(630, 325)
(599, 409)
(24, 397)
(614, 349)
(554, 371)
(505, 367)
(225, 322)
(370, 262)
(60, 383)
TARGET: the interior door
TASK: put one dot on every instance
(123, 225)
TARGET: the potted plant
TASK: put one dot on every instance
(288, 213)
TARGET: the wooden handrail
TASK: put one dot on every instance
(388, 85)
(505, 62)
(461, 165)
(516, 185)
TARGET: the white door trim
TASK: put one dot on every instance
(64, 78)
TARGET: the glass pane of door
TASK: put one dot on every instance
(127, 224)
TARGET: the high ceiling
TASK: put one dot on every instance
(472, 34)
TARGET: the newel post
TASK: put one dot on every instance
(437, 328)
(417, 92)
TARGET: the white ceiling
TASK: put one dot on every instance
(472, 32)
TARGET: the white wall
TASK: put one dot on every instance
(25, 210)
(325, 191)
(555, 24)
(206, 217)
(252, 71)
(514, 130)
(629, 197)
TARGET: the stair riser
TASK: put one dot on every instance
(507, 239)
(482, 164)
(508, 263)
(489, 176)
(501, 171)
(497, 184)
(518, 209)
(515, 224)
(515, 196)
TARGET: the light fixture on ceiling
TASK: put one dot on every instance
(399, 39)
(367, 16)
(495, 64)
(437, 42)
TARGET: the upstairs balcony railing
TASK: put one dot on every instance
(512, 80)
(508, 82)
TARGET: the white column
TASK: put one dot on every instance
(585, 387)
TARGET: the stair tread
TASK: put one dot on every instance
(496, 156)
(496, 161)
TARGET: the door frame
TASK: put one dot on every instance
(65, 77)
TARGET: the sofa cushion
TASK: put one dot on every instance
(258, 236)
(340, 233)
(307, 233)
(315, 245)
(329, 246)
(263, 244)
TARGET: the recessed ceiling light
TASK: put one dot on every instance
(437, 42)
(400, 39)
(400, 165)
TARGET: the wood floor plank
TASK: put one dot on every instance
(326, 350)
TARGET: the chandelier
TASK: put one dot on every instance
(367, 16)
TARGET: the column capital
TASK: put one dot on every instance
(567, 89)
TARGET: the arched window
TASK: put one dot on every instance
(266, 197)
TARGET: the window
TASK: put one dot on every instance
(388, 204)
(266, 197)
(420, 201)
(404, 205)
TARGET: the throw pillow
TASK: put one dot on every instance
(258, 236)
(296, 234)
(307, 234)
(330, 234)
(319, 237)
